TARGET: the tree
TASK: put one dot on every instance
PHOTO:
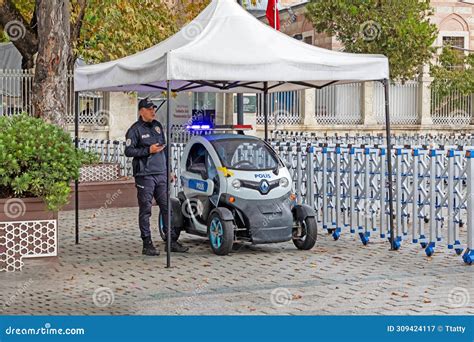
(453, 82)
(96, 30)
(103, 30)
(50, 82)
(398, 29)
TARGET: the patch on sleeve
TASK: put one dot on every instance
(158, 129)
(128, 142)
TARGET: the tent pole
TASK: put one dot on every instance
(265, 108)
(389, 161)
(76, 182)
(168, 174)
(240, 96)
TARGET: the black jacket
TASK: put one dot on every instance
(139, 139)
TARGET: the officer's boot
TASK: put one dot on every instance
(177, 247)
(148, 248)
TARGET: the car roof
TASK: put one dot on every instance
(224, 136)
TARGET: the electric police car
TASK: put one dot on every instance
(236, 188)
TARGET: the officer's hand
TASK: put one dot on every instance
(155, 148)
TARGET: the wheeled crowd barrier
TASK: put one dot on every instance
(347, 185)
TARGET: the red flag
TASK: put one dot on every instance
(273, 15)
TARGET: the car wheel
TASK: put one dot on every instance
(309, 234)
(161, 228)
(221, 234)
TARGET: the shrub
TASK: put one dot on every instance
(37, 159)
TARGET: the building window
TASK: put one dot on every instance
(457, 42)
(308, 40)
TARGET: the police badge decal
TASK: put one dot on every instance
(128, 142)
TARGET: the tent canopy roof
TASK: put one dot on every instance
(226, 49)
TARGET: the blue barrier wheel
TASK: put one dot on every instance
(468, 256)
(429, 250)
(364, 238)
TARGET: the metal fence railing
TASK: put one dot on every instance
(404, 103)
(465, 140)
(16, 89)
(284, 108)
(339, 104)
(345, 181)
(455, 108)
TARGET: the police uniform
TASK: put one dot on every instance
(150, 172)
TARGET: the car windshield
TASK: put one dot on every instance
(245, 154)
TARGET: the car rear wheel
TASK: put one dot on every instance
(306, 235)
(221, 234)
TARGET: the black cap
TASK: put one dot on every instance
(146, 103)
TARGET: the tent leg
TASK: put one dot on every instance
(389, 162)
(76, 144)
(265, 108)
(168, 173)
(240, 109)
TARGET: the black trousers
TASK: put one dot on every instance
(149, 187)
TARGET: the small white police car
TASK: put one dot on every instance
(236, 188)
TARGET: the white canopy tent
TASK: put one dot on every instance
(226, 49)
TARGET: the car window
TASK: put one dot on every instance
(245, 154)
(196, 157)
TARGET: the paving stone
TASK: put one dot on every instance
(107, 275)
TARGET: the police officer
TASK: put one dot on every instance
(147, 145)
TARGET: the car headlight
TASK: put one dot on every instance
(236, 184)
(284, 182)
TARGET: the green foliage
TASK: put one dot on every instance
(89, 158)
(397, 29)
(113, 29)
(37, 159)
(453, 72)
(453, 80)
(116, 28)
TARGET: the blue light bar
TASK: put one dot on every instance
(199, 127)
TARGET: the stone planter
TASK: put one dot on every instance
(96, 195)
(27, 230)
(99, 172)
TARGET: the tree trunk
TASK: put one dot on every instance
(50, 83)
(22, 34)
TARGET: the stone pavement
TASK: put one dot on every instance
(106, 274)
